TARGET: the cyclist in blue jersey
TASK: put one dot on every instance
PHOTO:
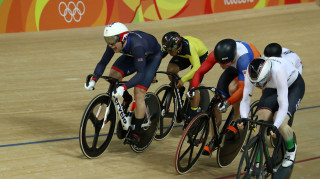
(141, 53)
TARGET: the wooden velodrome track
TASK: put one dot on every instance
(42, 95)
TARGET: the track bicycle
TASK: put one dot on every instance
(99, 121)
(260, 161)
(173, 107)
(195, 136)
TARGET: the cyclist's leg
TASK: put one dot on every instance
(225, 82)
(265, 110)
(267, 105)
(122, 67)
(195, 102)
(140, 90)
(178, 64)
(295, 95)
(233, 87)
(175, 66)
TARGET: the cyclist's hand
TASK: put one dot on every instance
(222, 107)
(241, 123)
(119, 91)
(179, 84)
(273, 131)
(90, 85)
(154, 80)
(191, 93)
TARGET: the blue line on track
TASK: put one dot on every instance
(72, 138)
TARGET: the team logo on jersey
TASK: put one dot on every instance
(140, 59)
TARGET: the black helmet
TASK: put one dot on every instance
(225, 51)
(171, 41)
(273, 50)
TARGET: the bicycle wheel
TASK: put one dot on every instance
(248, 163)
(229, 149)
(252, 127)
(192, 143)
(169, 108)
(94, 139)
(148, 133)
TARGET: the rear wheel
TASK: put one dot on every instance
(94, 136)
(153, 114)
(192, 143)
(169, 106)
(229, 148)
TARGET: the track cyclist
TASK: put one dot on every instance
(185, 51)
(141, 53)
(283, 89)
(234, 57)
(275, 50)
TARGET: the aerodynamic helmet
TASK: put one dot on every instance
(171, 41)
(225, 51)
(259, 71)
(115, 32)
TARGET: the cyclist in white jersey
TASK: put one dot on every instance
(275, 50)
(283, 88)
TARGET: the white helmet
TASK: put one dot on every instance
(259, 71)
(115, 32)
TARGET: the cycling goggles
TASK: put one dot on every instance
(111, 40)
(170, 49)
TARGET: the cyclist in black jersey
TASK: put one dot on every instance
(141, 53)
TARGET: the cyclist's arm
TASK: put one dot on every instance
(242, 65)
(246, 99)
(237, 95)
(140, 63)
(204, 68)
(195, 62)
(282, 91)
(101, 66)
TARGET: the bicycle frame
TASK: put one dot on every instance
(271, 165)
(175, 91)
(125, 120)
(210, 111)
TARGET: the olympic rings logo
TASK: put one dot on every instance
(72, 11)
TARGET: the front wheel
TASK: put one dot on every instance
(248, 166)
(192, 143)
(169, 109)
(148, 132)
(95, 139)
